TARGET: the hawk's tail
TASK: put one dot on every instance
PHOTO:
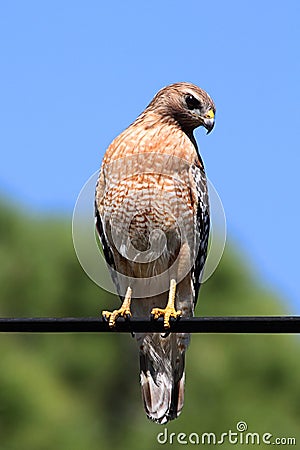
(162, 377)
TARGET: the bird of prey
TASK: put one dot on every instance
(152, 217)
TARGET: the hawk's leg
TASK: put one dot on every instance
(124, 311)
(169, 310)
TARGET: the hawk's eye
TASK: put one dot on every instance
(192, 102)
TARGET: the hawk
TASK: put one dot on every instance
(152, 217)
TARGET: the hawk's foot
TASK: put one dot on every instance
(169, 311)
(124, 311)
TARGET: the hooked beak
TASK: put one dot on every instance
(209, 120)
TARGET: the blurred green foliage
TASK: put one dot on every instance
(81, 392)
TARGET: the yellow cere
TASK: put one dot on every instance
(210, 114)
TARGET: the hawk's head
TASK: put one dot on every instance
(185, 103)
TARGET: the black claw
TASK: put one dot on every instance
(166, 334)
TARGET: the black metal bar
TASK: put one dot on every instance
(234, 324)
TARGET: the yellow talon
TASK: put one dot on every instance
(169, 310)
(124, 311)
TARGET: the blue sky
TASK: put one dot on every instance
(75, 74)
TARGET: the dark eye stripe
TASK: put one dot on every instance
(192, 102)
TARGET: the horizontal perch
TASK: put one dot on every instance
(216, 324)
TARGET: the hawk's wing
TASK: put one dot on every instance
(107, 250)
(201, 226)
